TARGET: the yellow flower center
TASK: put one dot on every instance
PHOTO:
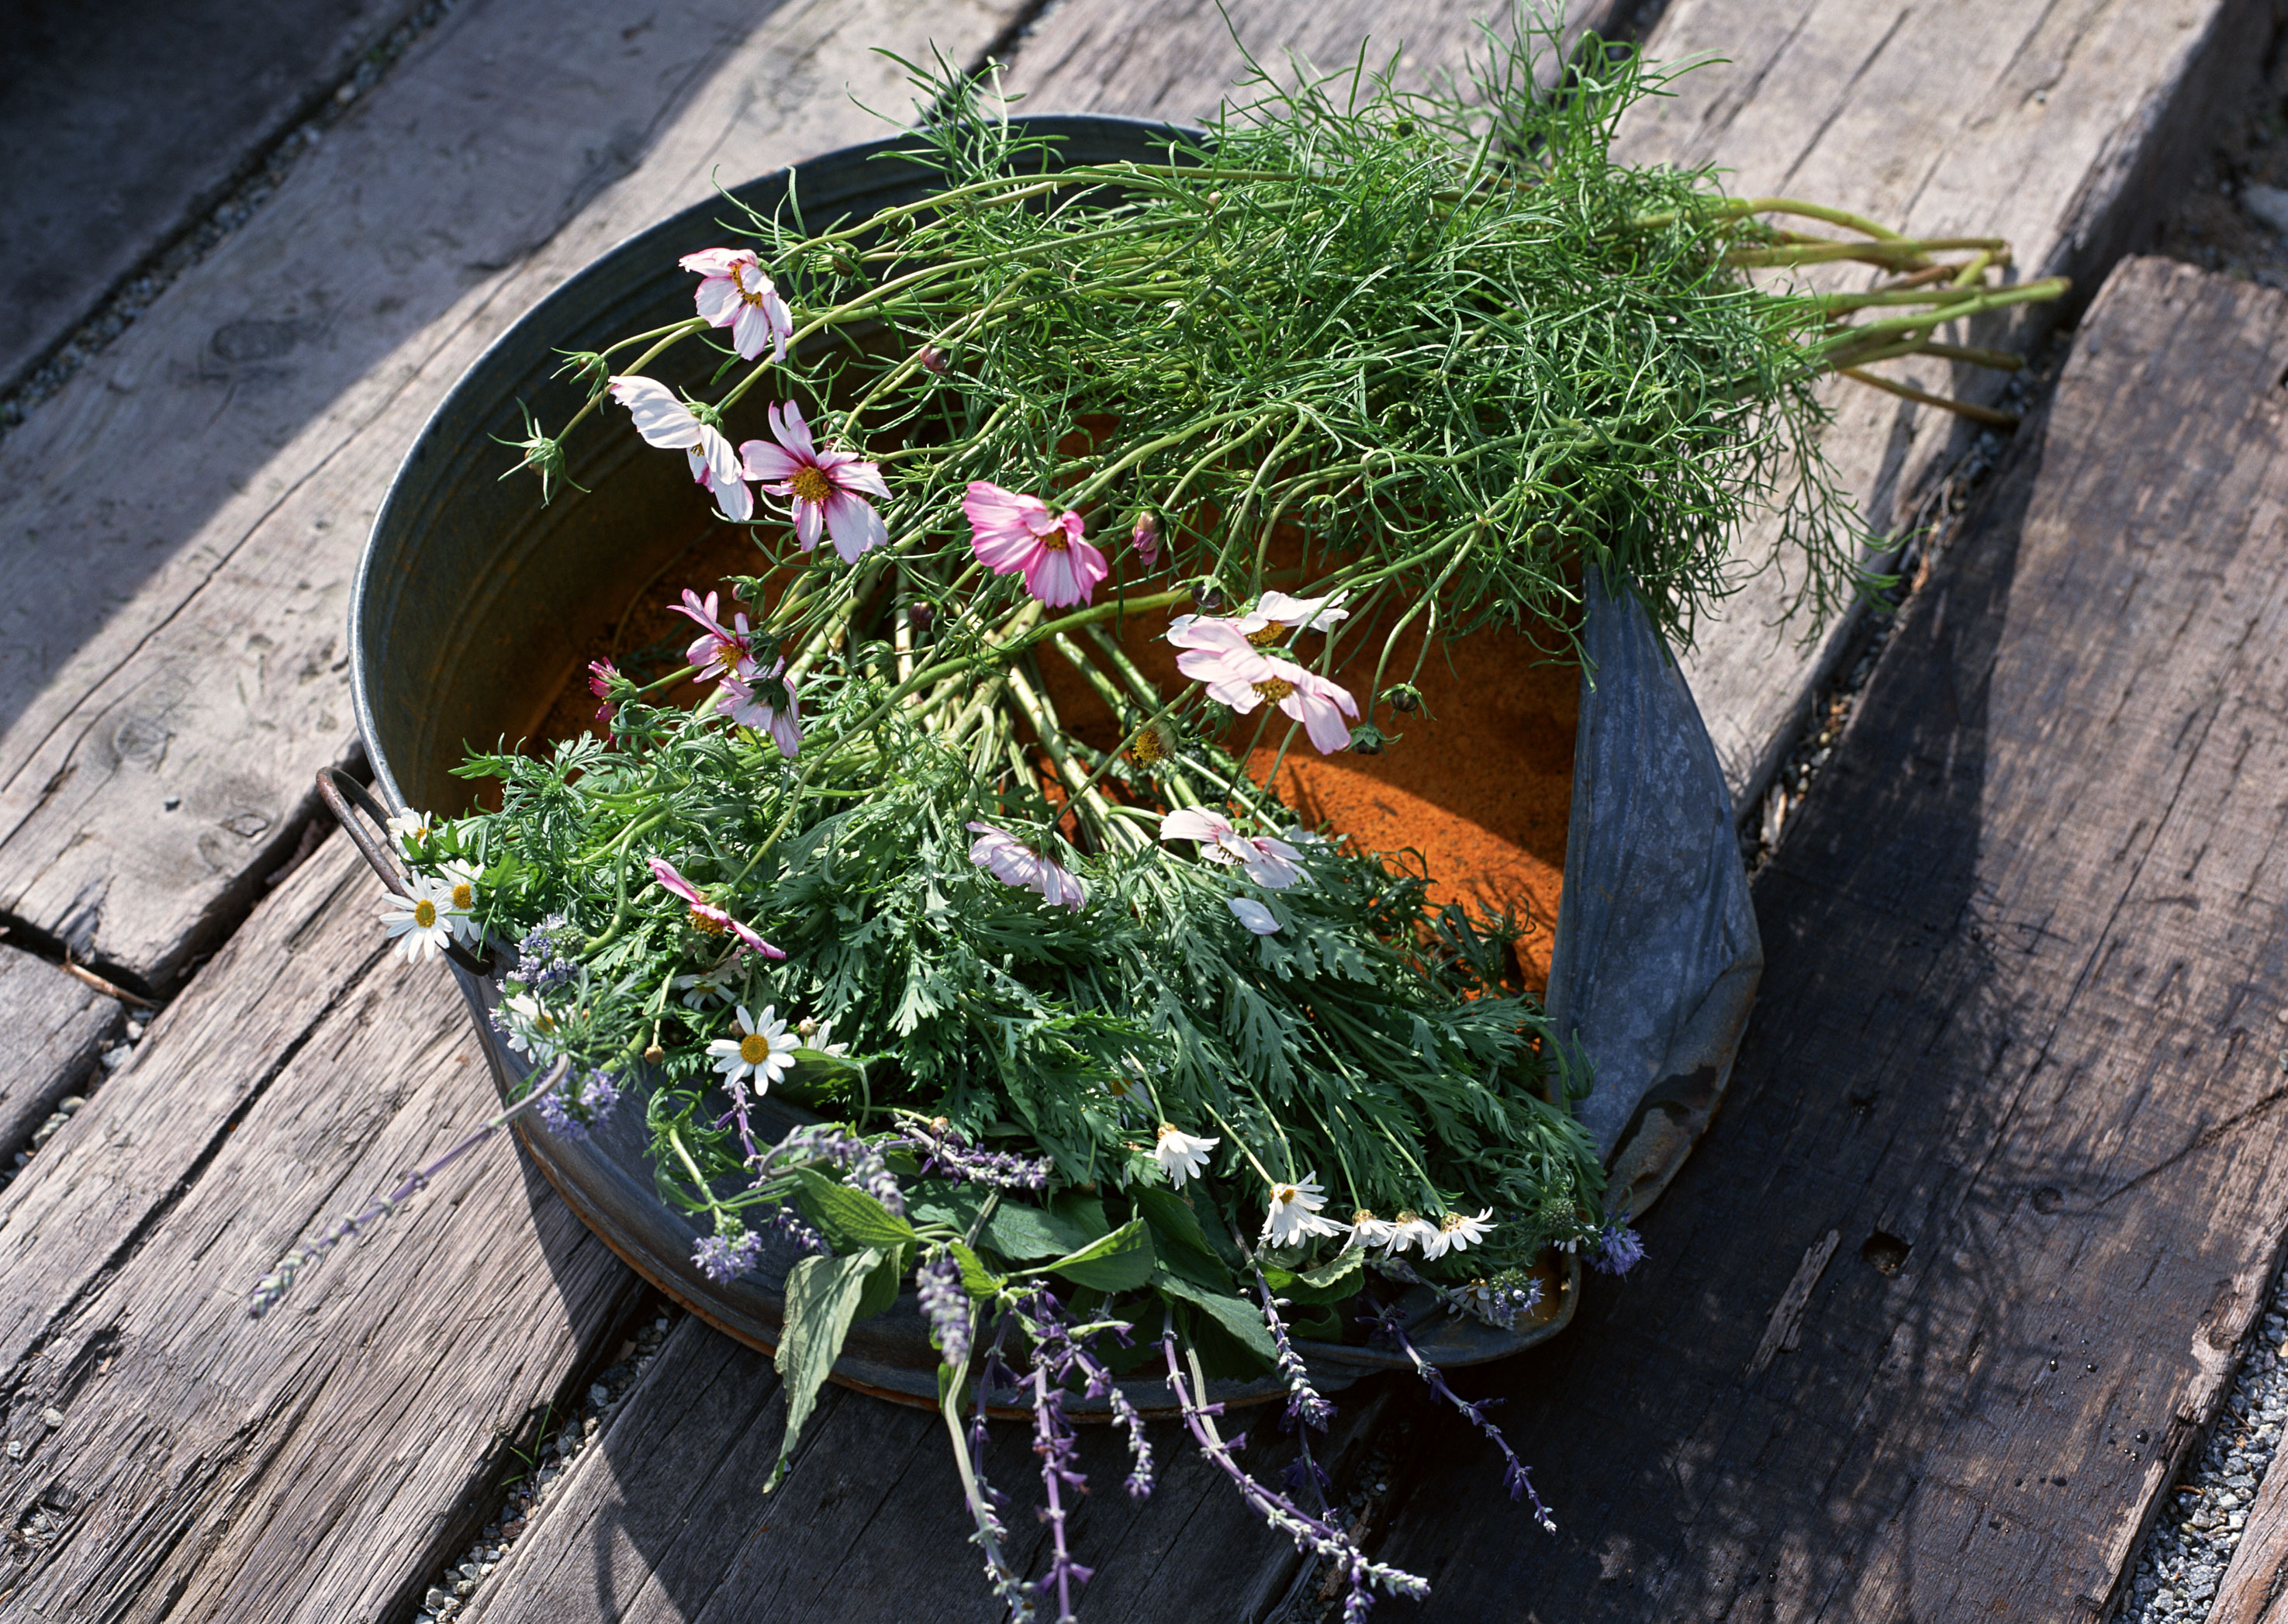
(754, 1049)
(810, 484)
(752, 296)
(1453, 1222)
(1057, 541)
(1271, 633)
(424, 913)
(464, 896)
(1282, 1193)
(1147, 748)
(1405, 1216)
(706, 921)
(1278, 688)
(1362, 1216)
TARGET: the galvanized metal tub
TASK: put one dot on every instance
(463, 622)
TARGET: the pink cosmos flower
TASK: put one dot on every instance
(719, 650)
(1242, 675)
(1270, 863)
(822, 486)
(664, 421)
(1010, 532)
(735, 292)
(1146, 540)
(1012, 862)
(764, 701)
(600, 673)
(1275, 614)
(704, 914)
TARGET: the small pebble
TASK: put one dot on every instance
(15, 1450)
(599, 1394)
(70, 1103)
(114, 1058)
(436, 1600)
(53, 1416)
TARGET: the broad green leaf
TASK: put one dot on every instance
(976, 1279)
(1087, 1211)
(1120, 1262)
(823, 1297)
(882, 1285)
(849, 1218)
(1327, 1283)
(1020, 1232)
(956, 1206)
(1242, 1320)
(1178, 1240)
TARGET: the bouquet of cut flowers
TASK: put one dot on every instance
(1096, 1047)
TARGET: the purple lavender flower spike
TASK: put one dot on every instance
(945, 1150)
(945, 1303)
(1313, 1535)
(1515, 1478)
(542, 958)
(1303, 1401)
(789, 1224)
(860, 1161)
(1619, 1250)
(724, 1260)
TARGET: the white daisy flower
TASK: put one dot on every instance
(1368, 1230)
(1456, 1232)
(417, 919)
(411, 825)
(460, 895)
(1408, 1231)
(763, 1049)
(1294, 1215)
(1181, 1156)
(710, 986)
(529, 1026)
(819, 1034)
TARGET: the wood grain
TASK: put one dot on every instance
(1179, 59)
(667, 1523)
(171, 1458)
(2017, 1043)
(52, 1027)
(122, 125)
(171, 664)
(2064, 127)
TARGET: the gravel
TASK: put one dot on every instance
(532, 1475)
(2191, 1543)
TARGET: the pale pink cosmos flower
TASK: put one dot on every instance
(666, 422)
(823, 487)
(1275, 614)
(704, 914)
(1010, 532)
(1270, 863)
(1242, 675)
(764, 701)
(735, 292)
(719, 650)
(1011, 861)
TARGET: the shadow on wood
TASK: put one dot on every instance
(2016, 1044)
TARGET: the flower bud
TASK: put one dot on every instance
(1405, 698)
(933, 359)
(1146, 540)
(1367, 740)
(1208, 597)
(920, 614)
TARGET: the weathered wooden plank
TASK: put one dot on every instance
(2017, 1042)
(667, 1521)
(2064, 127)
(121, 129)
(1178, 60)
(171, 666)
(169, 1458)
(52, 1027)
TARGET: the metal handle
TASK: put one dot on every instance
(340, 792)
